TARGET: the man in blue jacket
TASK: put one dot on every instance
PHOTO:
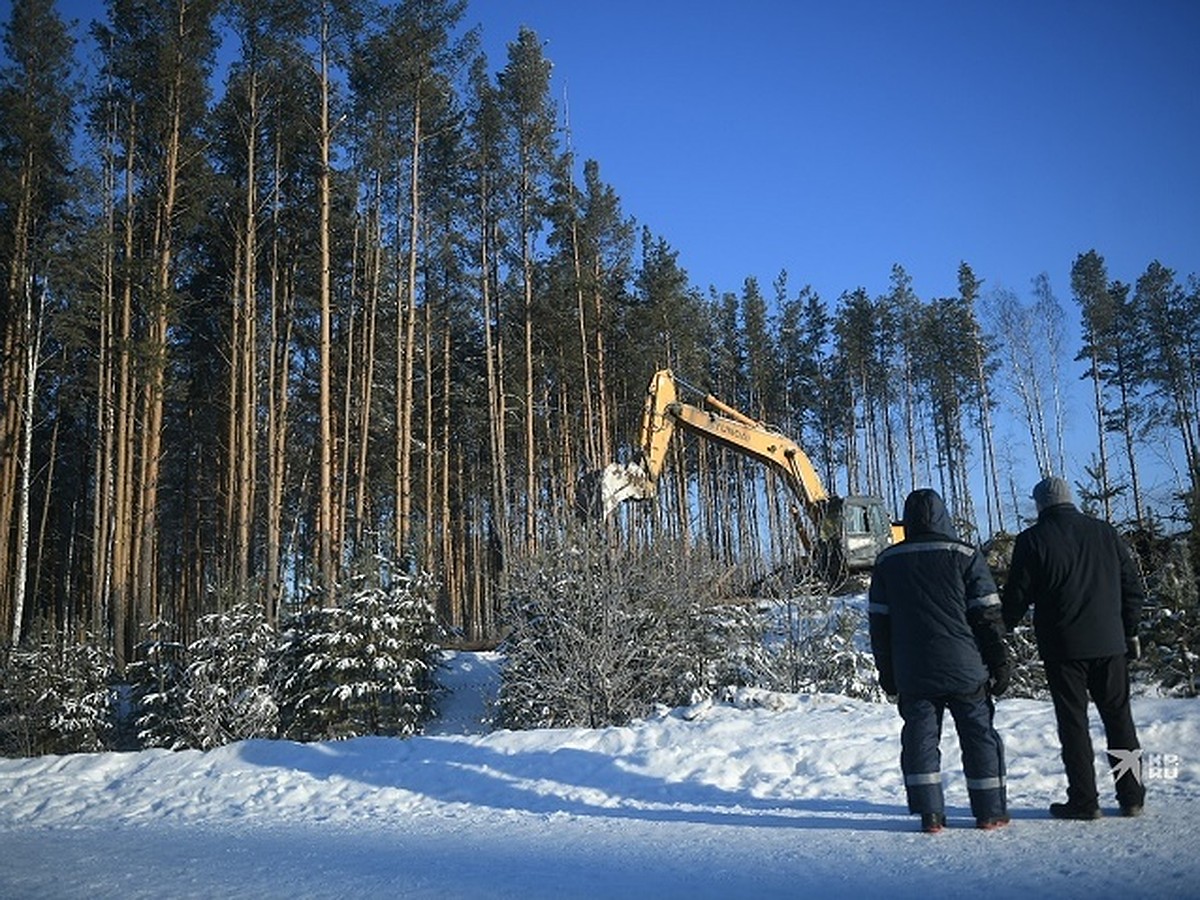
(938, 641)
(1087, 597)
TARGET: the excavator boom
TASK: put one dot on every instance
(870, 530)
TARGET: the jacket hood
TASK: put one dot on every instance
(925, 512)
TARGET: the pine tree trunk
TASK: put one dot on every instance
(1101, 443)
(374, 268)
(246, 355)
(493, 350)
(44, 518)
(325, 199)
(565, 439)
(349, 384)
(146, 562)
(123, 538)
(278, 377)
(448, 533)
(407, 344)
(530, 409)
(233, 422)
(429, 546)
(103, 501)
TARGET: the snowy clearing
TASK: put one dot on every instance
(762, 795)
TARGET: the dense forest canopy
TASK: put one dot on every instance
(356, 306)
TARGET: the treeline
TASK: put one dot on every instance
(361, 307)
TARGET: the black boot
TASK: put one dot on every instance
(1072, 811)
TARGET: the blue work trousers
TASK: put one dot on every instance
(982, 752)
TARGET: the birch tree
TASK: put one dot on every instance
(1048, 316)
(1012, 323)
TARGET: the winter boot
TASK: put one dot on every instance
(1071, 811)
(991, 823)
(932, 823)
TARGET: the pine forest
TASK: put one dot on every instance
(344, 317)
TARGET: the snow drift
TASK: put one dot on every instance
(755, 795)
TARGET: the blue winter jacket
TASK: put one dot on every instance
(935, 621)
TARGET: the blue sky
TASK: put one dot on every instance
(836, 139)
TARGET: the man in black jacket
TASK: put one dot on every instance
(938, 642)
(1087, 597)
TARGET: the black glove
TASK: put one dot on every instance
(887, 681)
(1133, 647)
(998, 682)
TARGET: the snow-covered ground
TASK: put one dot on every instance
(761, 795)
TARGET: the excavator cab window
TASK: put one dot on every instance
(867, 516)
(855, 519)
(880, 522)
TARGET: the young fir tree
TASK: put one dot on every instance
(363, 667)
(227, 693)
(157, 678)
(57, 697)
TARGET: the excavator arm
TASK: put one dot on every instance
(714, 420)
(723, 424)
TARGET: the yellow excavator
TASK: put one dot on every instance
(838, 533)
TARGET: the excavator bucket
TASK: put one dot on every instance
(601, 491)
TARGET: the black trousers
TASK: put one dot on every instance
(1106, 682)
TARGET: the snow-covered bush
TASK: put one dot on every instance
(156, 679)
(600, 634)
(363, 667)
(1171, 619)
(820, 644)
(226, 691)
(1028, 673)
(56, 698)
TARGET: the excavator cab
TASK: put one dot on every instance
(866, 530)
